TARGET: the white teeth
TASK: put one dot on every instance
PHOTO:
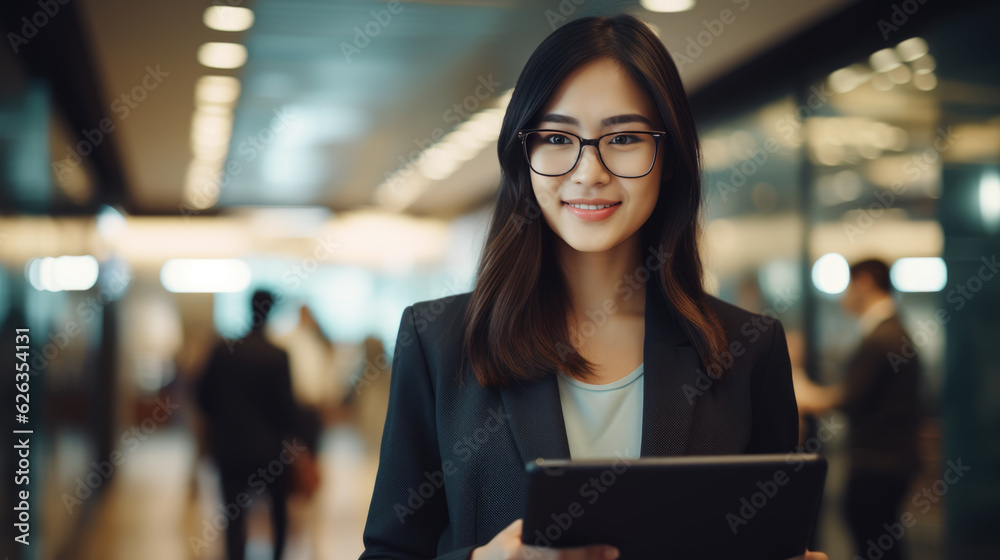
(590, 206)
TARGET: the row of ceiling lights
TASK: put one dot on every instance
(440, 161)
(216, 96)
(908, 61)
(215, 99)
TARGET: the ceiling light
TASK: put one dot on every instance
(66, 273)
(900, 74)
(923, 64)
(205, 275)
(202, 184)
(221, 90)
(667, 5)
(926, 274)
(912, 49)
(110, 222)
(205, 122)
(831, 274)
(228, 18)
(883, 60)
(882, 82)
(925, 82)
(846, 79)
(222, 55)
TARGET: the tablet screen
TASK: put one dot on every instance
(755, 506)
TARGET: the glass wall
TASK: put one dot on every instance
(895, 156)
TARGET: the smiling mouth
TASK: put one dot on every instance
(591, 206)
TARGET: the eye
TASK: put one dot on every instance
(622, 139)
(556, 138)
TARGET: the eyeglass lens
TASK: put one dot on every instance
(626, 154)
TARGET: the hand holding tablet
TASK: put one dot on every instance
(507, 545)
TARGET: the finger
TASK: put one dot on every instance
(593, 552)
(811, 556)
(514, 528)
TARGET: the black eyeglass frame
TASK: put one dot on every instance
(595, 142)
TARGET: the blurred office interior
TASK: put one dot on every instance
(159, 161)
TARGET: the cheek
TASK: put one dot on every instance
(647, 195)
(546, 192)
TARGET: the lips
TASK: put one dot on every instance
(591, 206)
(591, 210)
(591, 201)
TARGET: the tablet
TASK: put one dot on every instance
(718, 506)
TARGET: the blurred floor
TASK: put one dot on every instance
(923, 541)
(163, 497)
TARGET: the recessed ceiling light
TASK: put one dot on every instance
(925, 81)
(831, 274)
(667, 5)
(228, 18)
(883, 60)
(912, 49)
(222, 55)
(66, 273)
(205, 275)
(222, 90)
(919, 274)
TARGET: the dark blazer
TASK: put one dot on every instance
(246, 395)
(882, 401)
(452, 469)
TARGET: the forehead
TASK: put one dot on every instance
(600, 89)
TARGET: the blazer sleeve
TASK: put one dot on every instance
(775, 413)
(404, 523)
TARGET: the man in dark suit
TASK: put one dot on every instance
(880, 394)
(246, 395)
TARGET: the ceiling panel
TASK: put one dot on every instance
(355, 112)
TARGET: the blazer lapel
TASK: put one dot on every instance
(670, 367)
(670, 363)
(535, 416)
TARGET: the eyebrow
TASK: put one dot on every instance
(617, 119)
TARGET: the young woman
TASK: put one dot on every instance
(588, 333)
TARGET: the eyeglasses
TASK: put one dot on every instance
(626, 154)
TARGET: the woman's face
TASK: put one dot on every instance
(598, 98)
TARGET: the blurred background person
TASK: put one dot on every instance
(368, 401)
(881, 396)
(315, 386)
(246, 396)
(315, 382)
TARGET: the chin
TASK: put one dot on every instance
(586, 244)
(590, 248)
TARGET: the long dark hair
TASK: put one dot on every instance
(515, 323)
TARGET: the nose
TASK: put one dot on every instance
(590, 170)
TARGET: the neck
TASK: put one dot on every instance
(876, 298)
(592, 277)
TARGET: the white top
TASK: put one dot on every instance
(603, 421)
